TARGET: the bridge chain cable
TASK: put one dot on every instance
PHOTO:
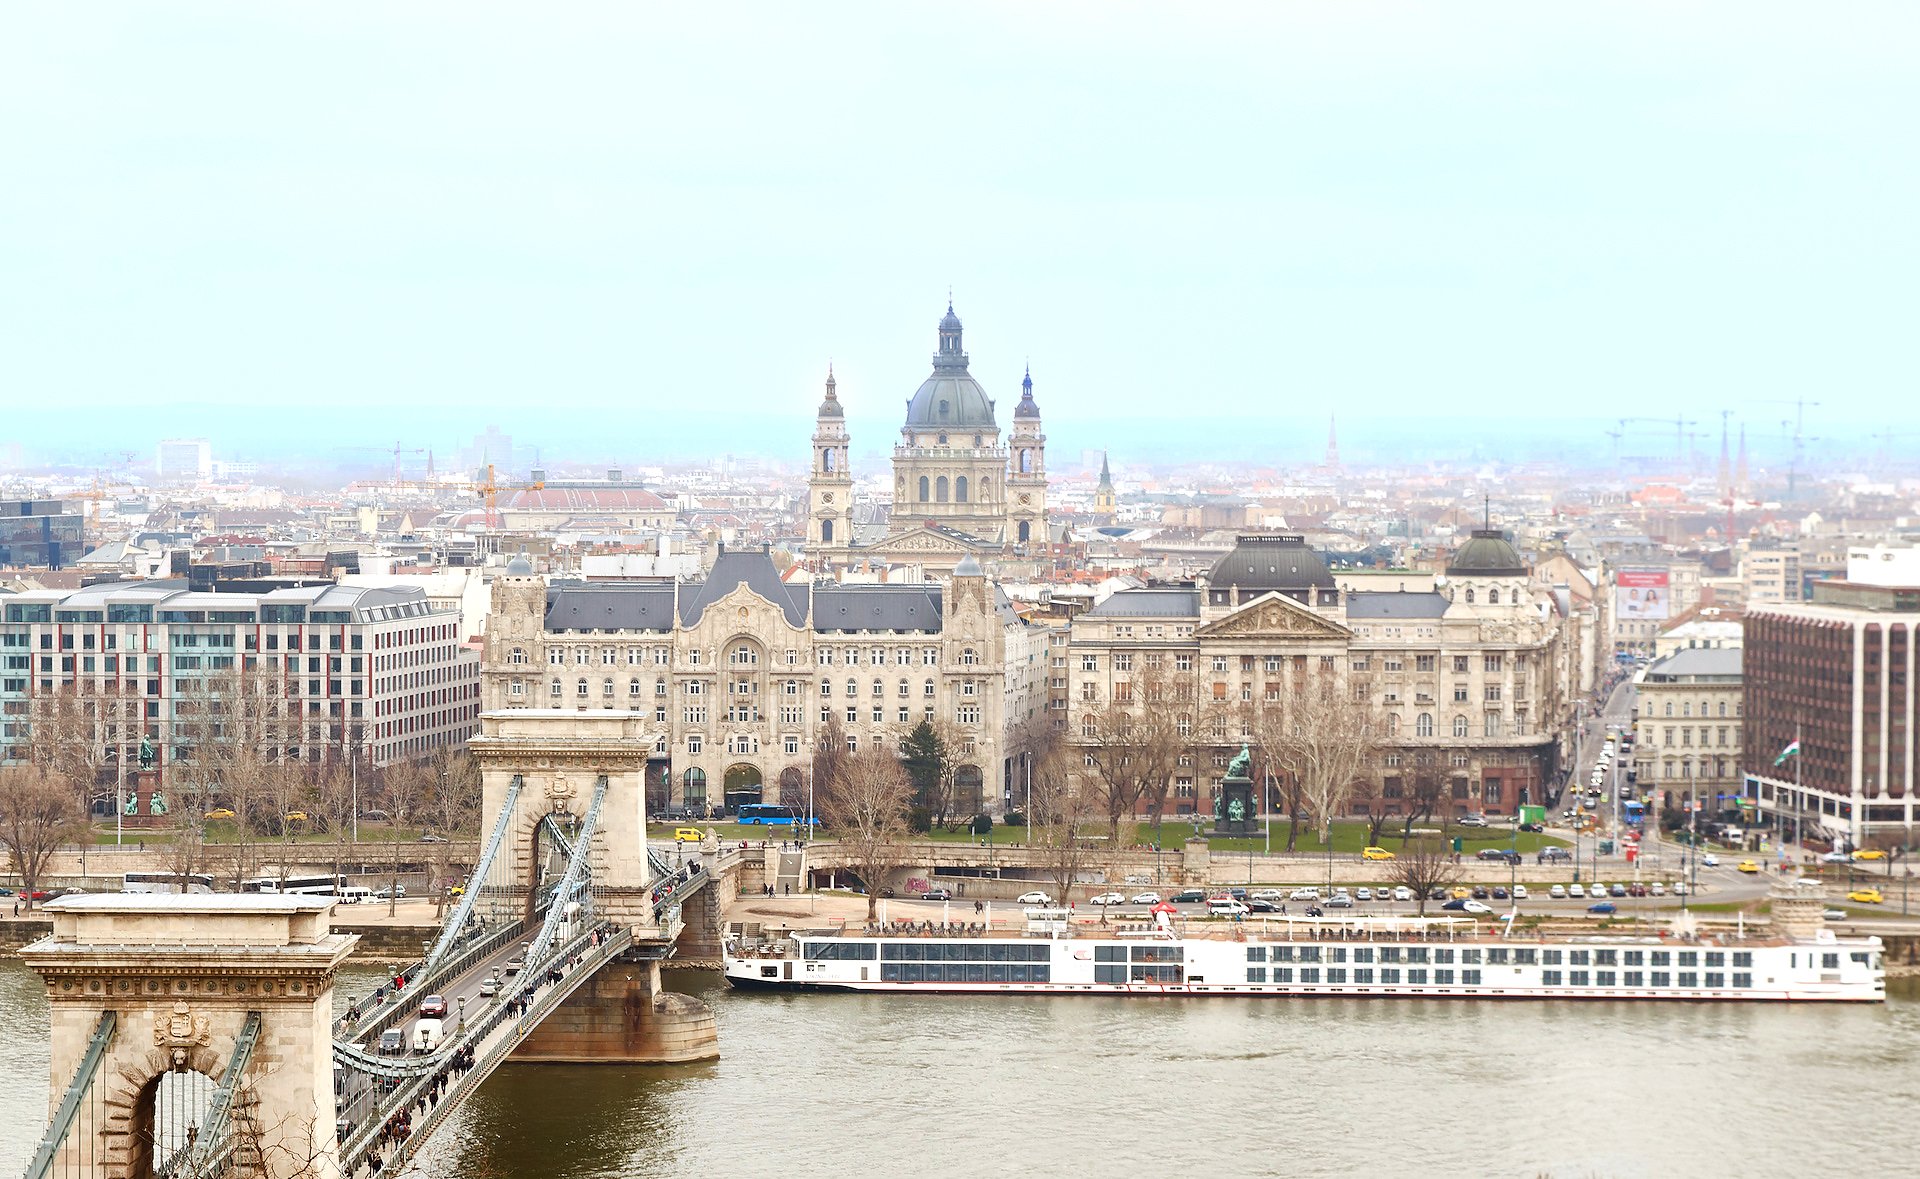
(80, 1095)
(215, 1144)
(477, 883)
(575, 884)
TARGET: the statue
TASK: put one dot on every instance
(131, 805)
(157, 804)
(146, 753)
(1236, 810)
(1237, 768)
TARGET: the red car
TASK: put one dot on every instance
(433, 1007)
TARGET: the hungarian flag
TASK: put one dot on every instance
(1792, 750)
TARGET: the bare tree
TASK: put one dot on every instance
(1328, 744)
(1425, 787)
(38, 812)
(1265, 728)
(1064, 804)
(405, 785)
(1423, 866)
(865, 808)
(1134, 745)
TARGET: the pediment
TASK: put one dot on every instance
(1274, 616)
(921, 540)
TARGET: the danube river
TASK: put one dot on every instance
(825, 1086)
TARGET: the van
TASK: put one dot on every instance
(686, 835)
(392, 1042)
(353, 894)
(426, 1035)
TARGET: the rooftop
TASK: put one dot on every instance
(1695, 664)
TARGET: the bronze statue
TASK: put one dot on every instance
(1237, 768)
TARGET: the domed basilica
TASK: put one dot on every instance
(958, 490)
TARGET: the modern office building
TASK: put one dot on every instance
(183, 460)
(377, 674)
(1834, 679)
(41, 533)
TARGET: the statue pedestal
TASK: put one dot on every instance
(1237, 816)
(140, 789)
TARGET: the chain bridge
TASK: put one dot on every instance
(195, 1036)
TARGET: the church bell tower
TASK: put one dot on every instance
(829, 482)
(1027, 472)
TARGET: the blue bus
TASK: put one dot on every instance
(1635, 811)
(771, 815)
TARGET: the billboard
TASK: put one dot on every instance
(1643, 594)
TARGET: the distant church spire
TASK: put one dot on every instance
(1333, 444)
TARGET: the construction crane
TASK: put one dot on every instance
(487, 486)
(1679, 432)
(398, 451)
(1799, 439)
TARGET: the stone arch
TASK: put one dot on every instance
(741, 783)
(793, 786)
(693, 787)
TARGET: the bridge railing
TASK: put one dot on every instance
(595, 945)
(396, 1006)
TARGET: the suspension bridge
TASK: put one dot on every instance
(195, 1037)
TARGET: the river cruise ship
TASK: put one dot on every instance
(1358, 957)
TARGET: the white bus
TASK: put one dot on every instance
(312, 886)
(164, 882)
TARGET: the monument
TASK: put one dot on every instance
(1235, 814)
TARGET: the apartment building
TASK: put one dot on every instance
(1687, 727)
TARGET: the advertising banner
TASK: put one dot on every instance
(1643, 594)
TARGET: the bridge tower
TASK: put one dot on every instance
(624, 1014)
(152, 993)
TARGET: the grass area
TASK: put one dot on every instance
(1348, 837)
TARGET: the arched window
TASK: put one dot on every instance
(927, 689)
(606, 689)
(1024, 531)
(553, 689)
(1423, 725)
(1493, 596)
(960, 489)
(1469, 595)
(580, 688)
(826, 460)
(905, 691)
(1026, 461)
(633, 687)
(826, 532)
(923, 489)
(940, 489)
(1459, 726)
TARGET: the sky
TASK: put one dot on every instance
(643, 231)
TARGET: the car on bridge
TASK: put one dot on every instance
(433, 1006)
(489, 986)
(393, 1042)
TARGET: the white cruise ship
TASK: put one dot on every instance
(1358, 957)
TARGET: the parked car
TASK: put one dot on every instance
(1657, 889)
(1305, 894)
(1339, 900)
(1519, 892)
(1558, 892)
(1603, 907)
(1437, 893)
(1189, 896)
(1636, 889)
(1267, 894)
(1481, 892)
(1680, 888)
(1461, 892)
(1363, 893)
(1402, 893)
(1500, 892)
(1146, 898)
(433, 1006)
(1577, 891)
(1376, 853)
(1618, 890)
(1107, 898)
(942, 894)
(1036, 897)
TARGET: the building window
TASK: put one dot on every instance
(1460, 726)
(1423, 725)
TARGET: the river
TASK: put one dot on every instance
(819, 1086)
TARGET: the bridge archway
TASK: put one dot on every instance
(742, 784)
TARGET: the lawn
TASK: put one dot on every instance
(1348, 837)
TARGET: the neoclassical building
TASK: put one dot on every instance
(1468, 676)
(959, 489)
(739, 673)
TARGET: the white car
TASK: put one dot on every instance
(1710, 860)
(1227, 907)
(1267, 894)
(1836, 857)
(1305, 894)
(1033, 898)
(1680, 888)
(1657, 889)
(1107, 898)
(1519, 892)
(1402, 893)
(1479, 907)
(1577, 891)
(1558, 892)
(1363, 893)
(1146, 898)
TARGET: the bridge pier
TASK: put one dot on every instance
(623, 1015)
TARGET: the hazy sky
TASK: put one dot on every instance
(625, 228)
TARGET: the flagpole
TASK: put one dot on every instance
(1796, 780)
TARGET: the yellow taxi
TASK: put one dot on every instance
(1376, 853)
(219, 812)
(686, 835)
(1869, 853)
(1461, 893)
(1866, 896)
(1749, 867)
(296, 816)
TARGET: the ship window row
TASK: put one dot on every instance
(972, 972)
(1116, 973)
(840, 951)
(963, 952)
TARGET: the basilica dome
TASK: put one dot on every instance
(950, 399)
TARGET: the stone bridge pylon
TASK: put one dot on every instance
(184, 1022)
